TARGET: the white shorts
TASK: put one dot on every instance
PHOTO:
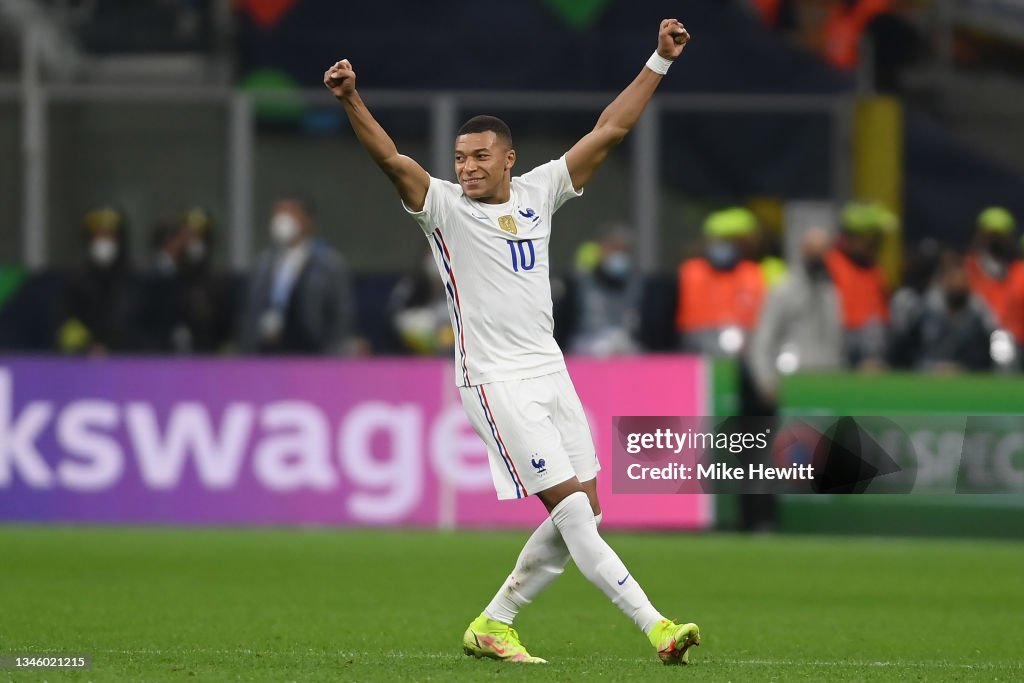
(536, 433)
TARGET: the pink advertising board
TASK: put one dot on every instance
(371, 443)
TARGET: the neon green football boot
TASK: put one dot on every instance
(488, 638)
(673, 641)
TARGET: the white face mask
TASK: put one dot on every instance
(284, 228)
(103, 251)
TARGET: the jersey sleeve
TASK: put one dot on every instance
(554, 175)
(441, 196)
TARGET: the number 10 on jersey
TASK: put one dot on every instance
(520, 258)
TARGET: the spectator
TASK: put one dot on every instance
(161, 328)
(720, 293)
(861, 282)
(920, 266)
(607, 301)
(957, 326)
(800, 326)
(186, 307)
(299, 297)
(207, 296)
(100, 304)
(419, 311)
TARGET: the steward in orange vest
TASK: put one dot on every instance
(863, 293)
(720, 293)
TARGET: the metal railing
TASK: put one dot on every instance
(36, 96)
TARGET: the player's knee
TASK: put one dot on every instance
(551, 497)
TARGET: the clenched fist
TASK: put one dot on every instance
(672, 38)
(340, 79)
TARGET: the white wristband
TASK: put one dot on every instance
(658, 64)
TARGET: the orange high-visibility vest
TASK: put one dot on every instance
(862, 291)
(843, 28)
(711, 299)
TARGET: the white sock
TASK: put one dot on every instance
(599, 563)
(541, 561)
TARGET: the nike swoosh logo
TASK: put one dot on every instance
(623, 580)
(488, 642)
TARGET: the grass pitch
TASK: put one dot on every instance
(281, 605)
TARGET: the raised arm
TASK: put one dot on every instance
(621, 115)
(408, 177)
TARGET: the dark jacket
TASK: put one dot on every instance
(319, 314)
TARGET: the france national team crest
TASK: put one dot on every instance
(529, 214)
(539, 465)
(508, 224)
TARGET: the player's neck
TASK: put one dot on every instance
(502, 196)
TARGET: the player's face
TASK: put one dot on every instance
(483, 164)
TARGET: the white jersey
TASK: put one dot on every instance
(493, 260)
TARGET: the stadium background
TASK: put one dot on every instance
(165, 105)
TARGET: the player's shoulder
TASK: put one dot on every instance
(547, 169)
(445, 187)
(441, 196)
(542, 175)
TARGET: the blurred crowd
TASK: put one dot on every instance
(830, 306)
(833, 307)
(847, 33)
(297, 299)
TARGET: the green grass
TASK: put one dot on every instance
(219, 605)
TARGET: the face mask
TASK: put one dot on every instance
(816, 269)
(195, 252)
(284, 228)
(618, 266)
(103, 251)
(956, 299)
(723, 255)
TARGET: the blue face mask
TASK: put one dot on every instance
(723, 255)
(618, 265)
